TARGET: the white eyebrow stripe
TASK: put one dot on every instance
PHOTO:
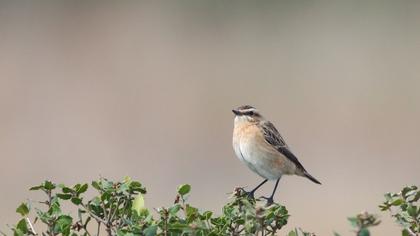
(248, 110)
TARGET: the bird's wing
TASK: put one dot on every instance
(273, 137)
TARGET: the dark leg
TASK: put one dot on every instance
(251, 194)
(270, 200)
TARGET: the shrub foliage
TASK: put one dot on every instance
(118, 209)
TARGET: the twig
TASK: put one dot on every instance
(87, 231)
(30, 226)
(112, 213)
(49, 203)
(411, 232)
(99, 228)
(104, 208)
(97, 218)
(108, 230)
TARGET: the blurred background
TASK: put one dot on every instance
(145, 89)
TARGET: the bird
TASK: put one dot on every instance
(258, 144)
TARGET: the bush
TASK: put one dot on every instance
(118, 208)
(405, 209)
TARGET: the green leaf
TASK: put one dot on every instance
(23, 209)
(22, 226)
(151, 230)
(388, 196)
(54, 209)
(36, 187)
(96, 185)
(136, 186)
(67, 190)
(397, 202)
(76, 187)
(178, 226)
(174, 209)
(191, 212)
(48, 185)
(363, 232)
(76, 201)
(416, 197)
(412, 211)
(106, 185)
(384, 207)
(127, 179)
(123, 188)
(138, 203)
(408, 191)
(96, 201)
(63, 224)
(106, 196)
(64, 196)
(82, 189)
(207, 215)
(353, 221)
(405, 233)
(120, 232)
(18, 232)
(184, 189)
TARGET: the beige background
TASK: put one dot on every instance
(146, 90)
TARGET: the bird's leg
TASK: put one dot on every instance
(270, 200)
(251, 193)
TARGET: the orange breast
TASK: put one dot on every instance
(265, 155)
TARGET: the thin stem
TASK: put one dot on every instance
(104, 208)
(99, 228)
(165, 222)
(87, 231)
(165, 232)
(30, 226)
(85, 228)
(262, 226)
(108, 230)
(49, 202)
(97, 218)
(411, 232)
(112, 213)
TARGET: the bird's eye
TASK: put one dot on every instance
(251, 113)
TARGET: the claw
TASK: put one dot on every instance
(270, 200)
(242, 192)
(250, 194)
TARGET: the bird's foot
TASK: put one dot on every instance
(249, 195)
(270, 200)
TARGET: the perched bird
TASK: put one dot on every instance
(260, 146)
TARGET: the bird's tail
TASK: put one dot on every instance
(307, 175)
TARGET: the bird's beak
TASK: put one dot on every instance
(236, 112)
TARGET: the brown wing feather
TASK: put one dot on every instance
(273, 137)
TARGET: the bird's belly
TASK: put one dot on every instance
(268, 163)
(243, 157)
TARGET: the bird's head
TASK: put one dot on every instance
(247, 113)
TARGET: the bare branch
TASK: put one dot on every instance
(30, 226)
